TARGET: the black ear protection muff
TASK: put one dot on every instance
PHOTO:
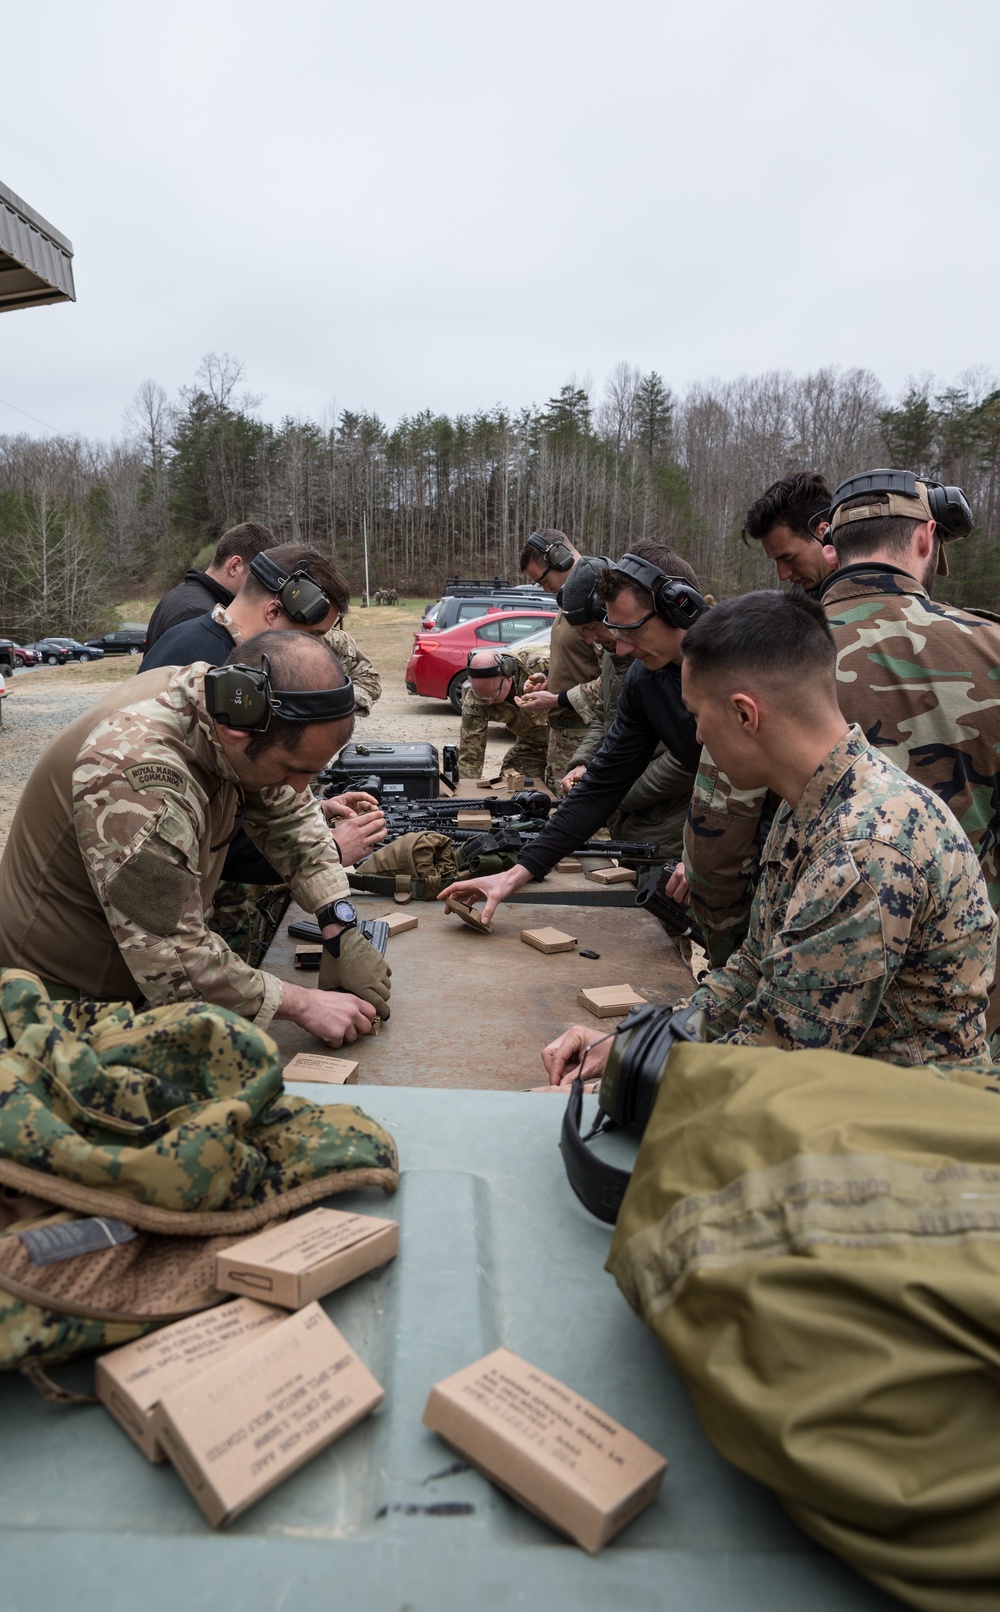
(909, 495)
(557, 555)
(632, 1077)
(301, 599)
(577, 598)
(503, 666)
(676, 602)
(242, 697)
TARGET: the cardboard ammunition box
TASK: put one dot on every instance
(400, 922)
(468, 915)
(474, 817)
(307, 1257)
(314, 1066)
(240, 1429)
(548, 940)
(131, 1381)
(552, 1450)
(609, 1001)
(513, 781)
(611, 875)
(308, 955)
(569, 864)
(484, 783)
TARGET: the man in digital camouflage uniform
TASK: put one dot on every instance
(655, 808)
(872, 930)
(567, 693)
(121, 833)
(492, 696)
(919, 679)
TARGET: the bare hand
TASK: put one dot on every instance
(335, 1017)
(356, 836)
(534, 681)
(573, 777)
(677, 887)
(492, 887)
(348, 804)
(570, 1055)
(539, 700)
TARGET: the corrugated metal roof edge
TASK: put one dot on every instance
(31, 217)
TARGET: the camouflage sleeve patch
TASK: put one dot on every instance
(155, 775)
(152, 891)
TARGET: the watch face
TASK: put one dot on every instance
(344, 912)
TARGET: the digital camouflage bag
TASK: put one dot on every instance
(173, 1123)
(815, 1240)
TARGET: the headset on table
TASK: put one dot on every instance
(242, 697)
(557, 555)
(676, 602)
(578, 599)
(301, 599)
(916, 497)
(503, 665)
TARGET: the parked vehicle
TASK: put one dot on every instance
(52, 651)
(463, 600)
(129, 640)
(13, 655)
(76, 650)
(436, 668)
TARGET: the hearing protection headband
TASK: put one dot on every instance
(242, 697)
(556, 553)
(921, 500)
(676, 602)
(503, 666)
(302, 599)
(578, 598)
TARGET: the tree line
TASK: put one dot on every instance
(84, 523)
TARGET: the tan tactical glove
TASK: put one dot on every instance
(359, 969)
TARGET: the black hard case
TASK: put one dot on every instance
(407, 771)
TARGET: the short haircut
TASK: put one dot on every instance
(303, 557)
(300, 662)
(551, 535)
(609, 584)
(858, 540)
(793, 501)
(247, 540)
(771, 634)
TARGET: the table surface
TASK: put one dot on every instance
(494, 1250)
(475, 1010)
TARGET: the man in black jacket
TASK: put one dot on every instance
(648, 609)
(203, 590)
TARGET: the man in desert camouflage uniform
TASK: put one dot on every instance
(871, 929)
(919, 679)
(496, 683)
(567, 694)
(121, 833)
(366, 680)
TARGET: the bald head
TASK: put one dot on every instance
(299, 664)
(488, 680)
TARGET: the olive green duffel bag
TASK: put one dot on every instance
(815, 1240)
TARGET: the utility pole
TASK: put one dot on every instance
(364, 529)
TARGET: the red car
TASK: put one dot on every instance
(436, 668)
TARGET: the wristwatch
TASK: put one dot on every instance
(337, 912)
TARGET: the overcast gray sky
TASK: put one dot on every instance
(403, 204)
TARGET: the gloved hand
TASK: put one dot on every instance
(359, 969)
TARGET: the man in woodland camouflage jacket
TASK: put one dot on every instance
(921, 681)
(120, 836)
(871, 930)
(492, 696)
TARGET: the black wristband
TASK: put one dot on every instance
(564, 700)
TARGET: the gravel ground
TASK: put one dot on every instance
(43, 700)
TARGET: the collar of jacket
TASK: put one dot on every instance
(868, 576)
(801, 822)
(186, 693)
(216, 589)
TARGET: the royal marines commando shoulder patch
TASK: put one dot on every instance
(156, 775)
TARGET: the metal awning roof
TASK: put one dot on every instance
(36, 262)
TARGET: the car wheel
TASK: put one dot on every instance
(133, 649)
(83, 657)
(456, 690)
(52, 660)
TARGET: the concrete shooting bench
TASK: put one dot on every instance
(494, 1250)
